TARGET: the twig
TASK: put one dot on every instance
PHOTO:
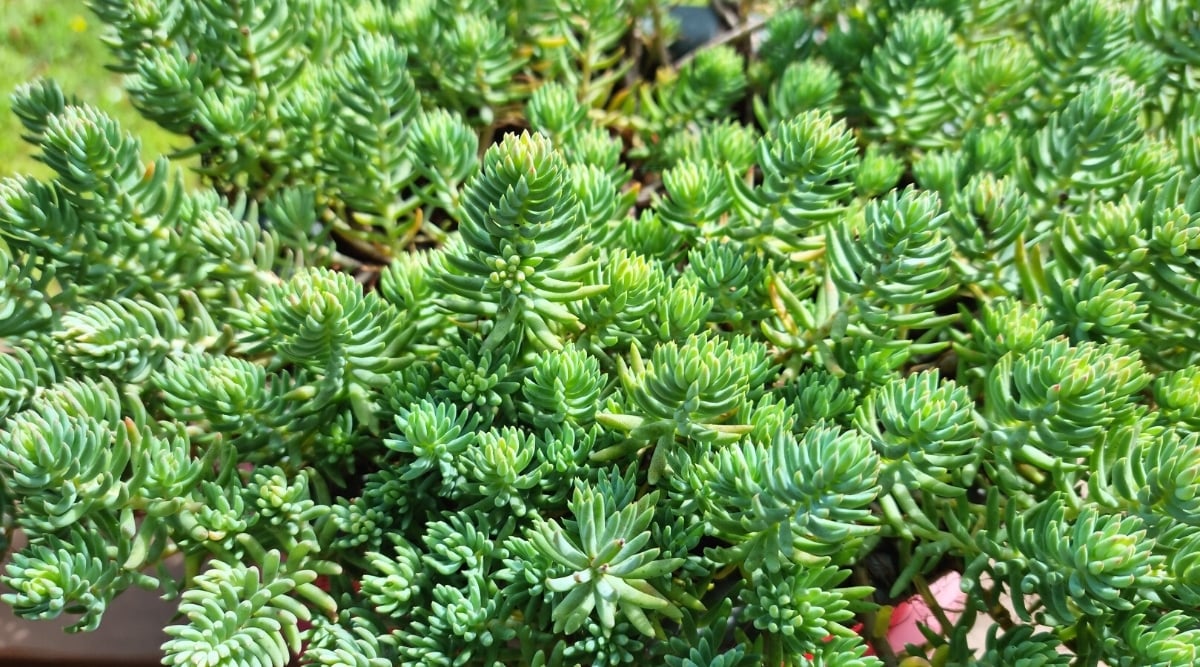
(932, 603)
(746, 29)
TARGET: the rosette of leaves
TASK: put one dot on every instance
(123, 338)
(1150, 245)
(580, 43)
(601, 197)
(481, 381)
(75, 575)
(465, 53)
(394, 583)
(89, 229)
(460, 545)
(563, 457)
(67, 461)
(1098, 307)
(903, 86)
(802, 608)
(994, 80)
(265, 607)
(727, 142)
(169, 483)
(790, 38)
(554, 111)
(1007, 325)
(1045, 408)
(703, 89)
(27, 306)
(685, 392)
(703, 653)
(622, 314)
(377, 105)
(435, 435)
(19, 379)
(1090, 565)
(325, 324)
(563, 390)
(213, 520)
(1022, 644)
(770, 414)
(501, 469)
(523, 255)
(987, 216)
(460, 623)
(731, 278)
(606, 563)
(1156, 476)
(878, 172)
(924, 431)
(992, 149)
(808, 163)
(282, 502)
(115, 188)
(818, 395)
(444, 152)
(896, 267)
(1073, 43)
(697, 199)
(803, 86)
(1170, 638)
(1078, 152)
(407, 283)
(681, 312)
(260, 413)
(391, 169)
(842, 651)
(1177, 394)
(333, 645)
(261, 55)
(790, 502)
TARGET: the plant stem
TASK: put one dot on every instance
(1029, 268)
(870, 620)
(660, 47)
(772, 650)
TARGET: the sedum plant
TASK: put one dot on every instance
(513, 333)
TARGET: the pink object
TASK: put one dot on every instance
(913, 612)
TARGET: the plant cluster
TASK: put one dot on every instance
(500, 336)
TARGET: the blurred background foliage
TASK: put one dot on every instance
(60, 39)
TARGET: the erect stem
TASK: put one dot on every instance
(660, 46)
(772, 650)
(501, 329)
(1029, 268)
(876, 636)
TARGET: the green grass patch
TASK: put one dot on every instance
(60, 39)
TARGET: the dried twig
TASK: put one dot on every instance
(733, 34)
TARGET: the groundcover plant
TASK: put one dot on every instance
(512, 333)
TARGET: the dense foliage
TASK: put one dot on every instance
(503, 333)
